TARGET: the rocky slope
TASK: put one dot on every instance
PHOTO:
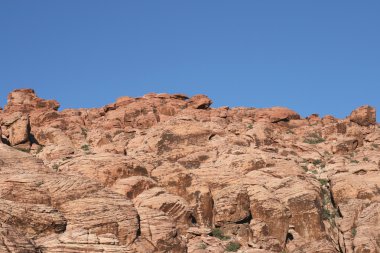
(167, 173)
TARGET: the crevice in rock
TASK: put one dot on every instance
(281, 120)
(211, 136)
(340, 248)
(193, 219)
(32, 139)
(333, 202)
(289, 237)
(138, 232)
(245, 220)
(339, 212)
(5, 141)
(331, 212)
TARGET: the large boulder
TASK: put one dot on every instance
(276, 114)
(364, 115)
(26, 100)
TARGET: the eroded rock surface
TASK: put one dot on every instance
(168, 173)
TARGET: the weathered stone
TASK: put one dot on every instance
(364, 115)
(165, 173)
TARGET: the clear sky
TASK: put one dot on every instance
(311, 56)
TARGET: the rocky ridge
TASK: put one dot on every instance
(168, 173)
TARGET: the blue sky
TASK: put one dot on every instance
(311, 56)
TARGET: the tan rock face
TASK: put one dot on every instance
(13, 241)
(16, 127)
(168, 173)
(364, 115)
(26, 100)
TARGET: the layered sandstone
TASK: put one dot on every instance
(168, 173)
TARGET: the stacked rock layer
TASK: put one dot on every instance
(168, 173)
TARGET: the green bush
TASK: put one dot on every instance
(326, 215)
(55, 167)
(85, 147)
(313, 138)
(233, 246)
(353, 232)
(84, 132)
(218, 233)
(323, 181)
(26, 150)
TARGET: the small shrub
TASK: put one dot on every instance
(314, 172)
(366, 159)
(326, 215)
(354, 161)
(55, 167)
(202, 246)
(353, 232)
(233, 246)
(323, 181)
(319, 162)
(84, 132)
(326, 201)
(304, 167)
(85, 147)
(109, 137)
(39, 149)
(26, 150)
(249, 126)
(218, 233)
(313, 138)
(39, 183)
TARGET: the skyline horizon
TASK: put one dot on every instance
(61, 108)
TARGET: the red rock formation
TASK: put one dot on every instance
(364, 115)
(168, 173)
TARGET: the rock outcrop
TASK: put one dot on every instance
(168, 173)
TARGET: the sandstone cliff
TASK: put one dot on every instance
(168, 173)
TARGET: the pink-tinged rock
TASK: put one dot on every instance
(329, 119)
(12, 240)
(26, 100)
(132, 186)
(16, 128)
(199, 102)
(231, 205)
(160, 172)
(275, 114)
(104, 168)
(364, 115)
